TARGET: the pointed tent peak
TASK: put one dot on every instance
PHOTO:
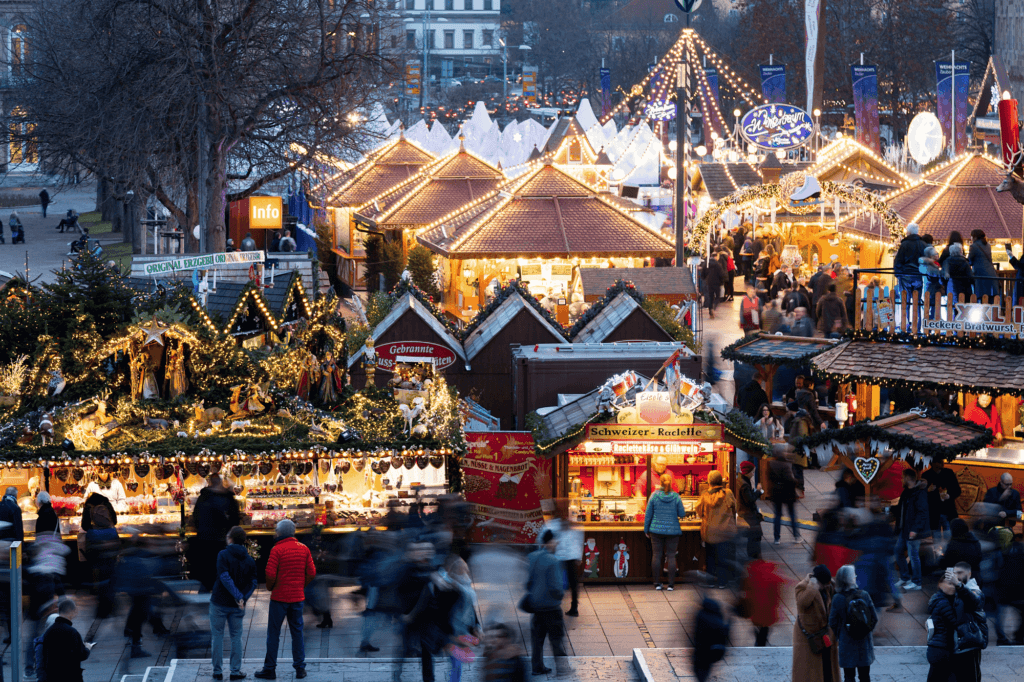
(498, 165)
(462, 143)
(585, 114)
(602, 159)
(535, 154)
(770, 161)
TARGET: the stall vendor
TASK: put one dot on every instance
(660, 468)
(984, 413)
(110, 488)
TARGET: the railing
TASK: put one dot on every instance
(883, 308)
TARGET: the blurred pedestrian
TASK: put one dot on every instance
(544, 594)
(44, 200)
(504, 660)
(815, 658)
(713, 274)
(1003, 494)
(216, 512)
(10, 513)
(913, 526)
(463, 624)
(943, 492)
(570, 546)
(710, 638)
(750, 312)
(287, 243)
(853, 618)
(1011, 591)
(136, 569)
(716, 510)
(748, 516)
(236, 581)
(763, 597)
(46, 567)
(102, 546)
(63, 648)
(289, 569)
(661, 526)
(783, 480)
(962, 546)
(975, 616)
(987, 280)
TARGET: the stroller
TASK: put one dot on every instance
(17, 231)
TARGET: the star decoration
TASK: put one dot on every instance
(154, 333)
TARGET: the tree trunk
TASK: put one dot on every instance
(192, 219)
(216, 230)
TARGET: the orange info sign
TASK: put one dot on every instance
(265, 213)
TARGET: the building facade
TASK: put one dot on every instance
(14, 52)
(1009, 46)
(462, 36)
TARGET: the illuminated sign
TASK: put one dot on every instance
(654, 431)
(265, 213)
(980, 318)
(660, 111)
(413, 351)
(776, 126)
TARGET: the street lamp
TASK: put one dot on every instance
(504, 70)
(736, 116)
(817, 131)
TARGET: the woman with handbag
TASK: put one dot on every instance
(953, 642)
(815, 656)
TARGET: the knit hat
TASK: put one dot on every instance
(746, 467)
(823, 575)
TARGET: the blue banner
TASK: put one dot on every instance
(773, 83)
(948, 106)
(865, 105)
(606, 91)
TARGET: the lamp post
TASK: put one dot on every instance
(736, 127)
(504, 71)
(817, 131)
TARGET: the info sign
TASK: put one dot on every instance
(777, 126)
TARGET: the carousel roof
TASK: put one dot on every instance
(956, 196)
(546, 213)
(450, 183)
(765, 349)
(657, 282)
(385, 168)
(496, 321)
(995, 371)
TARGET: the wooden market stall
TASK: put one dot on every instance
(767, 353)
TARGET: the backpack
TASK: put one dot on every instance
(860, 617)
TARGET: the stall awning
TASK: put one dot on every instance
(766, 349)
(978, 370)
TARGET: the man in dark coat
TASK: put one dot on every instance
(943, 491)
(796, 297)
(63, 648)
(831, 313)
(215, 514)
(10, 513)
(747, 511)
(710, 638)
(713, 276)
(783, 281)
(913, 526)
(44, 200)
(752, 396)
(1005, 496)
(958, 270)
(905, 266)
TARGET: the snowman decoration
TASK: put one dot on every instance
(621, 558)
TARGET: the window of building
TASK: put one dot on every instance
(19, 50)
(410, 4)
(488, 5)
(467, 5)
(575, 151)
(488, 39)
(23, 149)
(449, 5)
(467, 40)
(410, 39)
(431, 39)
(449, 40)
(394, 42)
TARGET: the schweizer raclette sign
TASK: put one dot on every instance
(413, 351)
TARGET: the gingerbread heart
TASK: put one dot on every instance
(142, 470)
(236, 469)
(192, 468)
(133, 486)
(247, 469)
(325, 466)
(346, 466)
(867, 467)
(360, 464)
(385, 466)
(422, 461)
(266, 468)
(203, 470)
(437, 461)
(397, 462)
(125, 471)
(410, 462)
(375, 466)
(284, 468)
(62, 474)
(215, 467)
(77, 474)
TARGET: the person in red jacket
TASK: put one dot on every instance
(289, 569)
(763, 589)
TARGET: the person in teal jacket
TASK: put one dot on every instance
(661, 526)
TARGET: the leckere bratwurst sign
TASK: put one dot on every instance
(980, 318)
(776, 126)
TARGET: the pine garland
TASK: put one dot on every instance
(618, 287)
(734, 351)
(503, 292)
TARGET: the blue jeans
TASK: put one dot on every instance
(913, 550)
(233, 616)
(279, 610)
(908, 284)
(456, 674)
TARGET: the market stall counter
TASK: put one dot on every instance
(606, 482)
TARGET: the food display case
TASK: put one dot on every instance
(605, 482)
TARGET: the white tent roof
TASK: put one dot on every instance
(585, 114)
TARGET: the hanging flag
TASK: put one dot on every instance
(712, 118)
(773, 83)
(949, 99)
(606, 91)
(865, 105)
(814, 58)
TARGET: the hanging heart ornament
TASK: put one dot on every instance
(867, 467)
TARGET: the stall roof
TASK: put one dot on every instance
(847, 160)
(722, 179)
(608, 319)
(385, 168)
(277, 297)
(558, 421)
(670, 283)
(642, 350)
(958, 194)
(767, 349)
(548, 214)
(489, 328)
(934, 435)
(403, 305)
(928, 365)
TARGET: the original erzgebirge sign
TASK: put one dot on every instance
(414, 351)
(776, 126)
